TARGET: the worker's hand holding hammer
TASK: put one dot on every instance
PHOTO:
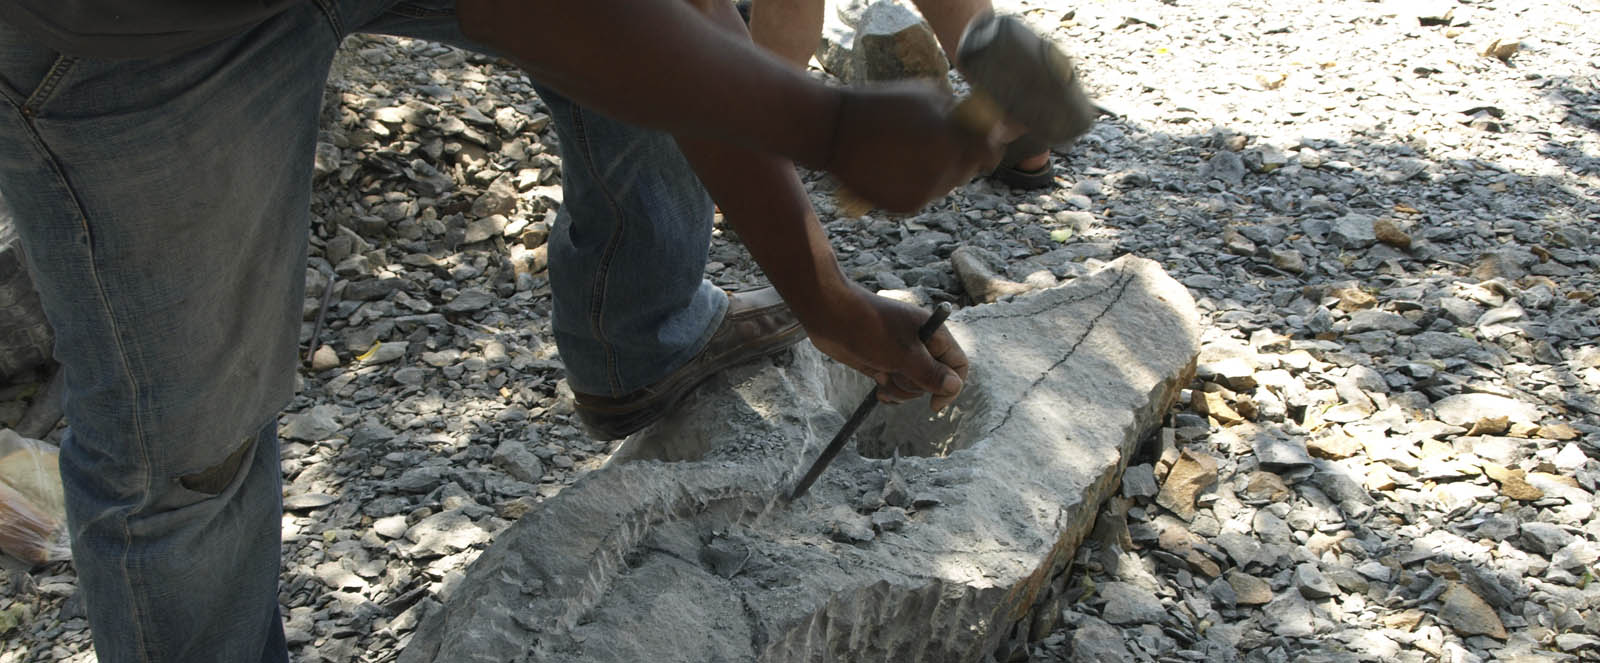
(900, 146)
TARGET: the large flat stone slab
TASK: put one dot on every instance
(682, 548)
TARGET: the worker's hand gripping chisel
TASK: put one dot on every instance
(860, 415)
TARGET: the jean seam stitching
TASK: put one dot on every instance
(122, 355)
(603, 272)
(412, 11)
(332, 15)
(47, 87)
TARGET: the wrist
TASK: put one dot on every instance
(825, 143)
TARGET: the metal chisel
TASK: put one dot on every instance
(860, 415)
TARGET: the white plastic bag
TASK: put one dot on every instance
(32, 511)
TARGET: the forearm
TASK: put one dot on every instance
(661, 64)
(764, 201)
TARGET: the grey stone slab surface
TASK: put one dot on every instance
(681, 548)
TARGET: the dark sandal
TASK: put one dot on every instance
(1020, 149)
(1017, 178)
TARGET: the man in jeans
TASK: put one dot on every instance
(157, 155)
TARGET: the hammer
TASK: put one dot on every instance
(1014, 74)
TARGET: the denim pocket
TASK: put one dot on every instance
(29, 72)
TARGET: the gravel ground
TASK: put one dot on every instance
(1389, 452)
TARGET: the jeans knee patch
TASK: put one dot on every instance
(213, 480)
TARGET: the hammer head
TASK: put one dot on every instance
(1028, 77)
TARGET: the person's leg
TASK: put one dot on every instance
(163, 203)
(790, 28)
(628, 252)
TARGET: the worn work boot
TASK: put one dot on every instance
(756, 324)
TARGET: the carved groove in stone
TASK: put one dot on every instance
(700, 560)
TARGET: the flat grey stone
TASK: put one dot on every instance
(313, 425)
(390, 527)
(469, 300)
(1545, 538)
(1127, 604)
(1281, 453)
(943, 587)
(1469, 614)
(1367, 320)
(1289, 615)
(445, 533)
(304, 501)
(1226, 166)
(518, 460)
(1248, 589)
(1353, 231)
(1139, 481)
(1095, 641)
(893, 43)
(1311, 583)
(1466, 409)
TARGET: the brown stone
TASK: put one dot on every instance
(1522, 429)
(1334, 445)
(1353, 298)
(1213, 404)
(1390, 233)
(1402, 621)
(1513, 483)
(1238, 244)
(1250, 589)
(1266, 486)
(1469, 614)
(1490, 426)
(1559, 431)
(1502, 49)
(1320, 542)
(1191, 475)
(1379, 478)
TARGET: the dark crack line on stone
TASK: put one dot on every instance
(758, 631)
(1041, 308)
(1014, 550)
(1121, 287)
(669, 553)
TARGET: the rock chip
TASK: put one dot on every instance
(1353, 231)
(1312, 584)
(318, 423)
(1281, 452)
(889, 519)
(325, 358)
(469, 300)
(1192, 474)
(1248, 589)
(1469, 614)
(1139, 481)
(445, 533)
(519, 461)
(1467, 409)
(1095, 641)
(1545, 538)
(1389, 232)
(1128, 604)
(1226, 166)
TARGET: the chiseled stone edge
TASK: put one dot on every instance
(550, 568)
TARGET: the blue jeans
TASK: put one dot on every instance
(164, 205)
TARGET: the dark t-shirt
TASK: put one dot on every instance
(133, 28)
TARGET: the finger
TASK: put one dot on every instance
(943, 347)
(901, 388)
